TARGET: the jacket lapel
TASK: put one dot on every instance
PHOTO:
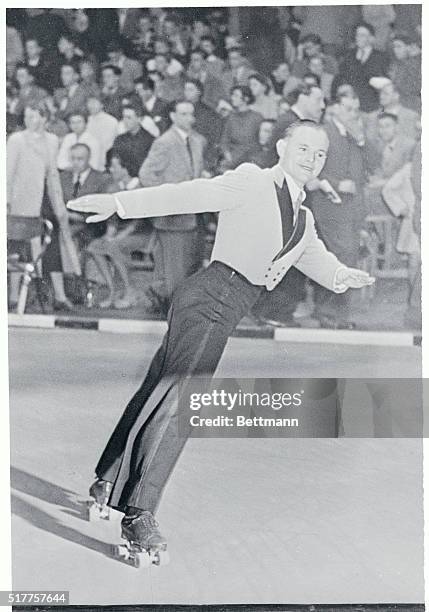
(296, 236)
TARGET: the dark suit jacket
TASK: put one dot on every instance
(159, 112)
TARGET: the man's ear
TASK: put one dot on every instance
(280, 146)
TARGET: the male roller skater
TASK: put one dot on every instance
(263, 230)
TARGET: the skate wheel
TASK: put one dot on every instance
(160, 557)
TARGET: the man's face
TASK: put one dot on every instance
(282, 73)
(314, 104)
(94, 106)
(265, 133)
(235, 59)
(400, 49)
(387, 129)
(77, 124)
(388, 95)
(191, 93)
(87, 71)
(23, 77)
(303, 153)
(161, 63)
(110, 79)
(79, 159)
(237, 99)
(33, 120)
(68, 76)
(116, 170)
(131, 120)
(32, 48)
(347, 110)
(316, 65)
(142, 92)
(197, 62)
(207, 46)
(310, 48)
(363, 38)
(144, 24)
(256, 87)
(114, 56)
(65, 46)
(183, 117)
(170, 27)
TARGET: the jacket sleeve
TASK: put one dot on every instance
(317, 262)
(199, 195)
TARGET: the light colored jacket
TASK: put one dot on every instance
(249, 234)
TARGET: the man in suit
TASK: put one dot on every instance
(112, 94)
(255, 246)
(176, 156)
(339, 224)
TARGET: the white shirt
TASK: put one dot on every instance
(95, 159)
(150, 103)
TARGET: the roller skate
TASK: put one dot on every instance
(97, 508)
(144, 544)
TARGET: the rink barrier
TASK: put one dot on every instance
(289, 334)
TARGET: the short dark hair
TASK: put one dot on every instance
(261, 78)
(78, 113)
(209, 38)
(71, 64)
(24, 66)
(403, 36)
(81, 144)
(132, 107)
(173, 105)
(310, 37)
(302, 89)
(388, 116)
(125, 159)
(146, 82)
(245, 92)
(41, 106)
(339, 97)
(116, 70)
(198, 51)
(195, 82)
(34, 38)
(367, 26)
(303, 123)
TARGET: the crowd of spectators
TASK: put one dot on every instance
(107, 99)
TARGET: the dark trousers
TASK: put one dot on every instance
(145, 444)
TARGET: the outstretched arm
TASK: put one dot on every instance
(199, 195)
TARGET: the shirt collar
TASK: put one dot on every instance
(82, 176)
(183, 135)
(294, 189)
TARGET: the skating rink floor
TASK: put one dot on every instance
(247, 520)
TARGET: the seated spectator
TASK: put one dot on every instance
(88, 77)
(391, 103)
(54, 124)
(28, 91)
(207, 121)
(143, 40)
(79, 134)
(72, 96)
(262, 154)
(405, 71)
(176, 36)
(282, 80)
(238, 69)
(306, 102)
(136, 142)
(215, 64)
(265, 102)
(106, 249)
(241, 129)
(14, 50)
(46, 72)
(168, 86)
(69, 51)
(102, 126)
(152, 106)
(360, 64)
(311, 46)
(198, 70)
(391, 154)
(130, 69)
(200, 28)
(112, 93)
(316, 66)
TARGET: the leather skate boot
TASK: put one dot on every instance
(100, 492)
(140, 529)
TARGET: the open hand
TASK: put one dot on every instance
(353, 278)
(103, 204)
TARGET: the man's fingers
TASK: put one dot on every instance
(86, 203)
(97, 218)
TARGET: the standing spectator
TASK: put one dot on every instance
(241, 129)
(339, 224)
(176, 156)
(360, 65)
(45, 71)
(316, 66)
(79, 133)
(34, 192)
(88, 77)
(130, 69)
(310, 46)
(262, 154)
(306, 102)
(237, 71)
(381, 17)
(111, 92)
(264, 101)
(152, 106)
(198, 70)
(405, 71)
(215, 64)
(102, 126)
(72, 96)
(207, 121)
(28, 91)
(14, 50)
(136, 142)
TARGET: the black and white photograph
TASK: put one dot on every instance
(213, 236)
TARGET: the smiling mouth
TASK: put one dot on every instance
(307, 168)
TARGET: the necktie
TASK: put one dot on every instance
(191, 159)
(76, 187)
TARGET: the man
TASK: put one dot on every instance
(215, 64)
(46, 74)
(238, 70)
(136, 142)
(176, 36)
(72, 96)
(361, 64)
(276, 308)
(253, 249)
(406, 71)
(102, 126)
(28, 91)
(339, 224)
(175, 156)
(310, 46)
(169, 86)
(240, 132)
(207, 121)
(152, 106)
(198, 70)
(390, 102)
(79, 133)
(130, 69)
(111, 92)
